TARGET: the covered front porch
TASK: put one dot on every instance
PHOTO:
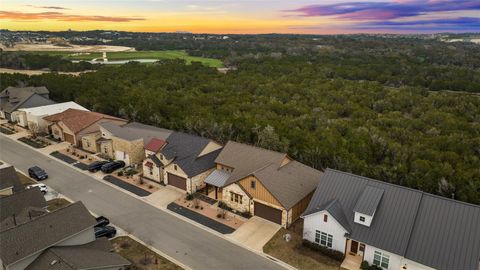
(214, 184)
(354, 253)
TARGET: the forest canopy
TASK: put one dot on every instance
(320, 114)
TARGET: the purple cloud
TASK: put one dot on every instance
(453, 24)
(385, 10)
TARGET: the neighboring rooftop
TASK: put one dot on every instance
(20, 207)
(77, 120)
(185, 150)
(53, 108)
(134, 131)
(43, 232)
(9, 178)
(13, 98)
(155, 145)
(368, 202)
(93, 255)
(407, 222)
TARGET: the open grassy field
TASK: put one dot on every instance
(132, 55)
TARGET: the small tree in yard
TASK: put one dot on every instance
(34, 129)
(196, 203)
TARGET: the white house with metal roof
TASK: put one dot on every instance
(391, 226)
(34, 116)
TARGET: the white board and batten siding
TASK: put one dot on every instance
(315, 222)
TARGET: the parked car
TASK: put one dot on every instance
(112, 166)
(96, 165)
(37, 173)
(43, 187)
(105, 231)
(102, 221)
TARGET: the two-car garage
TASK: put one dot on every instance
(268, 213)
(177, 181)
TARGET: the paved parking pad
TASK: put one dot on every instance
(129, 187)
(81, 166)
(205, 221)
(63, 157)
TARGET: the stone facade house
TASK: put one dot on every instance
(264, 183)
(78, 127)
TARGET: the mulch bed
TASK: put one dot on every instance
(81, 166)
(63, 157)
(212, 224)
(31, 142)
(6, 131)
(127, 186)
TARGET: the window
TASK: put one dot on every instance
(161, 157)
(325, 218)
(252, 184)
(234, 197)
(105, 150)
(175, 167)
(362, 218)
(323, 239)
(380, 259)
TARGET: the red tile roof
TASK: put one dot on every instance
(77, 120)
(155, 145)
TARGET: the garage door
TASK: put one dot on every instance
(268, 213)
(177, 181)
(69, 138)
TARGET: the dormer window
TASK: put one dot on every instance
(253, 184)
(367, 205)
(362, 218)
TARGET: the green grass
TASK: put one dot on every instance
(113, 56)
(57, 203)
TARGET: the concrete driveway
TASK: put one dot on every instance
(255, 233)
(164, 196)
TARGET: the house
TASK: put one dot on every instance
(264, 183)
(126, 142)
(391, 226)
(14, 98)
(33, 117)
(62, 239)
(9, 180)
(78, 127)
(21, 207)
(183, 161)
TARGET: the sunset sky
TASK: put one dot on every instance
(244, 16)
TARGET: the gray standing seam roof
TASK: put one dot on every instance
(368, 202)
(42, 232)
(217, 178)
(336, 210)
(431, 230)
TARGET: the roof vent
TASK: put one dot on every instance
(53, 262)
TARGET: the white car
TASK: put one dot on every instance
(43, 187)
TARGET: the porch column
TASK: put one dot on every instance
(216, 193)
(206, 189)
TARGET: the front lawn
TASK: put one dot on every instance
(57, 203)
(295, 254)
(140, 256)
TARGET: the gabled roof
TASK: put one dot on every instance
(246, 159)
(217, 178)
(155, 160)
(13, 98)
(22, 205)
(44, 231)
(12, 91)
(134, 131)
(431, 230)
(77, 120)
(289, 183)
(334, 207)
(93, 255)
(155, 145)
(53, 108)
(185, 149)
(369, 200)
(9, 178)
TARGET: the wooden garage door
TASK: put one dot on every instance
(268, 213)
(177, 181)
(69, 138)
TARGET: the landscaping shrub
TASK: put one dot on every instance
(150, 186)
(120, 173)
(125, 245)
(189, 197)
(336, 255)
(219, 215)
(364, 265)
(223, 205)
(246, 214)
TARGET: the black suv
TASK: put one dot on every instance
(102, 221)
(37, 173)
(107, 231)
(112, 166)
(95, 166)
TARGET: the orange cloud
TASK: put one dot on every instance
(14, 15)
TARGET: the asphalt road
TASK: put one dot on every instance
(181, 240)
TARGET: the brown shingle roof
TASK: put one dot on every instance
(77, 120)
(43, 232)
(20, 204)
(9, 178)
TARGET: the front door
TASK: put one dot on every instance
(354, 247)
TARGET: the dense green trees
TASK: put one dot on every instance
(405, 135)
(25, 60)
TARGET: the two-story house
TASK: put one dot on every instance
(14, 98)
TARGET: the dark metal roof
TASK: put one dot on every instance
(155, 160)
(336, 210)
(9, 178)
(185, 149)
(368, 202)
(431, 230)
(217, 178)
(13, 98)
(42, 232)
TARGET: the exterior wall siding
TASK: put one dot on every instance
(134, 149)
(315, 222)
(300, 207)
(259, 192)
(198, 181)
(246, 205)
(394, 261)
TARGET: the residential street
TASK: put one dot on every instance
(181, 240)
